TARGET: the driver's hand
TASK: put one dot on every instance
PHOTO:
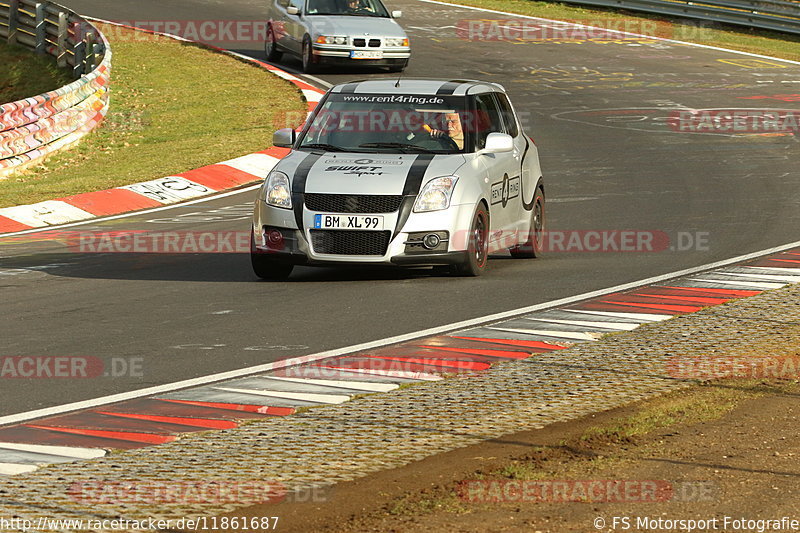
(433, 132)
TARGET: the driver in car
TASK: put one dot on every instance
(451, 127)
(355, 6)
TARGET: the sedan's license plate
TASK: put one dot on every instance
(366, 54)
(348, 222)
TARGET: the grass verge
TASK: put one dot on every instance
(599, 448)
(755, 41)
(24, 74)
(174, 107)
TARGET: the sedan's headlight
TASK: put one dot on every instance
(331, 39)
(436, 194)
(395, 42)
(278, 190)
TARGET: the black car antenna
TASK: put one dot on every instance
(396, 85)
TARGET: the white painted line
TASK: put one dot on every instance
(777, 269)
(12, 469)
(355, 385)
(743, 284)
(302, 396)
(647, 317)
(621, 326)
(169, 190)
(605, 29)
(47, 213)
(447, 328)
(64, 451)
(547, 333)
(764, 277)
(420, 376)
(259, 165)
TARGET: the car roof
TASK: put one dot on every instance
(417, 86)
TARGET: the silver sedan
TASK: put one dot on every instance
(352, 32)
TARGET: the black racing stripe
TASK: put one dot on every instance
(299, 186)
(411, 188)
(448, 88)
(528, 206)
(349, 88)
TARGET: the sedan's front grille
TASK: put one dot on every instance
(375, 43)
(348, 242)
(359, 42)
(353, 203)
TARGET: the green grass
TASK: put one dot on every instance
(174, 107)
(764, 42)
(24, 74)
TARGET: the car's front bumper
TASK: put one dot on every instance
(296, 245)
(342, 55)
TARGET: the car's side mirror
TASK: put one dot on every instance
(284, 138)
(497, 143)
(397, 14)
(293, 10)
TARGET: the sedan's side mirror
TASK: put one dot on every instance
(397, 14)
(293, 10)
(284, 138)
(497, 143)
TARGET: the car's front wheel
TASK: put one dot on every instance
(477, 246)
(266, 267)
(310, 65)
(533, 246)
(271, 47)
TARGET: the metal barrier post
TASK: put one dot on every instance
(80, 59)
(13, 21)
(61, 41)
(41, 29)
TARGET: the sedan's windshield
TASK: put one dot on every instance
(367, 8)
(398, 123)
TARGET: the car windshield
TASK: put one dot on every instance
(389, 123)
(365, 8)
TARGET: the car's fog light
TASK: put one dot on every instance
(275, 237)
(431, 241)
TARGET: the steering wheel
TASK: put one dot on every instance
(447, 143)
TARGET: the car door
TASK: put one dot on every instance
(519, 216)
(502, 170)
(289, 29)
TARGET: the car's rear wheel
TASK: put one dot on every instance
(478, 245)
(533, 246)
(310, 65)
(266, 267)
(271, 46)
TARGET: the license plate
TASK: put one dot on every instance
(366, 54)
(348, 222)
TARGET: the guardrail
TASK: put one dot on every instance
(777, 15)
(34, 127)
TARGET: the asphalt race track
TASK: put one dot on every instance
(597, 112)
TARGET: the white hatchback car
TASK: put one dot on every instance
(409, 172)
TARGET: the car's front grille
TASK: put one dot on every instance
(359, 42)
(353, 203)
(375, 43)
(348, 242)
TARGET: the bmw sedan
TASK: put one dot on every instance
(343, 32)
(408, 172)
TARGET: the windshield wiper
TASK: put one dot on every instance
(324, 146)
(403, 147)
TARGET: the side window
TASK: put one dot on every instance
(487, 119)
(508, 115)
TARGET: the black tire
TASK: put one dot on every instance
(534, 245)
(310, 66)
(271, 47)
(267, 268)
(478, 246)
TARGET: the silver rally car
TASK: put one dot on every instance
(409, 172)
(352, 32)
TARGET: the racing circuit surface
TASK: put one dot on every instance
(597, 111)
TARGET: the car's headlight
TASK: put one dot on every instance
(278, 190)
(396, 42)
(436, 194)
(331, 39)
